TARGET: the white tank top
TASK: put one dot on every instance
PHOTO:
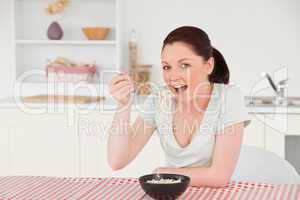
(226, 107)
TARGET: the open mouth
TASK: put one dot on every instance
(179, 88)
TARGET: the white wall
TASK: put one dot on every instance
(254, 36)
(6, 47)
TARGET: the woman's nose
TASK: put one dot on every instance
(175, 75)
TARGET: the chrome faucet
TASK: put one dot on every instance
(280, 89)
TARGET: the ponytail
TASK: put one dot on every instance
(220, 73)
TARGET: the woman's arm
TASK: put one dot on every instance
(225, 156)
(125, 141)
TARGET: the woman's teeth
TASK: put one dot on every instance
(180, 88)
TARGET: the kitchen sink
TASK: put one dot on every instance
(270, 101)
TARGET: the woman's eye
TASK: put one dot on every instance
(166, 67)
(184, 65)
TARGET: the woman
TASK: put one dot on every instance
(199, 117)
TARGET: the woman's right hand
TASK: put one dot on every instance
(121, 87)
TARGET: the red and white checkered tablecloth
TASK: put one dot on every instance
(39, 187)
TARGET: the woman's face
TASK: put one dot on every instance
(184, 71)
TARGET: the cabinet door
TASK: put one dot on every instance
(151, 157)
(294, 124)
(4, 141)
(7, 118)
(254, 133)
(148, 159)
(92, 131)
(93, 139)
(276, 128)
(43, 144)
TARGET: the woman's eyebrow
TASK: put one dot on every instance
(180, 60)
(184, 59)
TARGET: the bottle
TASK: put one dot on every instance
(132, 50)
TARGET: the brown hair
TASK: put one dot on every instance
(200, 43)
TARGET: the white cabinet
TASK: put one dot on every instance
(294, 124)
(7, 119)
(59, 144)
(278, 128)
(93, 146)
(275, 142)
(278, 133)
(151, 157)
(55, 144)
(92, 131)
(254, 132)
(4, 167)
(269, 131)
(42, 145)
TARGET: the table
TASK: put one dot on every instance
(40, 187)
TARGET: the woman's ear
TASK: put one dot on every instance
(210, 64)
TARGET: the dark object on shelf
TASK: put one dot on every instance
(55, 31)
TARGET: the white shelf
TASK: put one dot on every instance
(37, 88)
(33, 49)
(66, 42)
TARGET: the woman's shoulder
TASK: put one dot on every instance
(230, 90)
(231, 96)
(233, 108)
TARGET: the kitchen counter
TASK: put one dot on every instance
(109, 104)
(267, 105)
(273, 110)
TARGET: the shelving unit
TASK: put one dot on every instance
(33, 49)
(64, 42)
